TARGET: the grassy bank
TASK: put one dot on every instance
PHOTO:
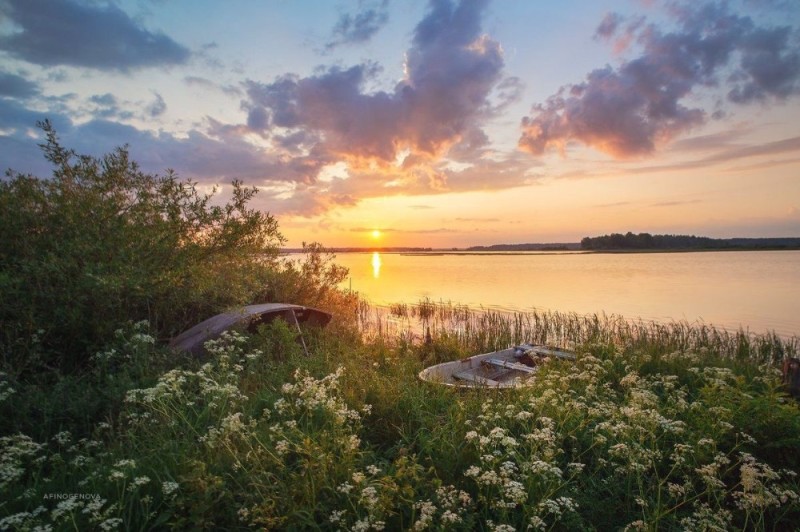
(654, 427)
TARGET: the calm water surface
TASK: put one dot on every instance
(755, 290)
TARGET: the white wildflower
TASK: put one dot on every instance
(111, 524)
(427, 511)
(169, 487)
(369, 496)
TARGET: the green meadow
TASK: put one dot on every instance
(103, 427)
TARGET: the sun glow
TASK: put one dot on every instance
(376, 265)
(375, 234)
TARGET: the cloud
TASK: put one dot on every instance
(64, 32)
(770, 67)
(721, 151)
(451, 69)
(17, 117)
(675, 203)
(359, 27)
(14, 86)
(438, 230)
(779, 147)
(713, 141)
(631, 110)
(216, 155)
(197, 81)
(107, 106)
(322, 142)
(157, 107)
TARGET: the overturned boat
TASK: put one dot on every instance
(509, 368)
(247, 318)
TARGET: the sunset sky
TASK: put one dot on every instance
(430, 123)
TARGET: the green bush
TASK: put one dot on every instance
(101, 243)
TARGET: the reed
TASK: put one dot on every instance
(488, 330)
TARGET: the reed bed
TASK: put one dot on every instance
(488, 330)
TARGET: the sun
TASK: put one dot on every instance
(375, 234)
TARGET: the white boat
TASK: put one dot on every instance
(509, 368)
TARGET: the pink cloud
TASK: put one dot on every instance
(632, 110)
(451, 69)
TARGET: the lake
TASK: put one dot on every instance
(756, 290)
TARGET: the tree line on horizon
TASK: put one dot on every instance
(647, 241)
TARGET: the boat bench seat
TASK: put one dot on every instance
(469, 376)
(510, 365)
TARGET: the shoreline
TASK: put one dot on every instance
(438, 253)
(578, 251)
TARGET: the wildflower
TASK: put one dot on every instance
(336, 516)
(373, 470)
(352, 442)
(472, 471)
(282, 447)
(537, 523)
(497, 433)
(15, 520)
(362, 525)
(63, 437)
(138, 481)
(427, 511)
(575, 467)
(111, 524)
(345, 487)
(746, 438)
(523, 415)
(448, 517)
(66, 506)
(706, 518)
(636, 525)
(168, 487)
(515, 491)
(369, 496)
(94, 506)
(5, 389)
(489, 478)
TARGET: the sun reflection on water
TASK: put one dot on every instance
(376, 264)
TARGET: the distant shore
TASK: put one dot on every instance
(441, 252)
(613, 243)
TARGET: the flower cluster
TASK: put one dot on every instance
(445, 511)
(518, 471)
(215, 386)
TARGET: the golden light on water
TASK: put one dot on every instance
(376, 265)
